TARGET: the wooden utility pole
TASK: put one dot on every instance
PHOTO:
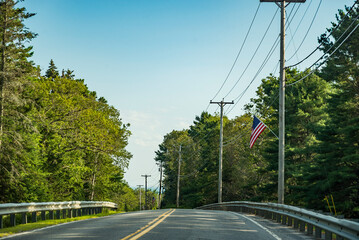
(160, 192)
(178, 176)
(140, 197)
(146, 176)
(281, 148)
(221, 104)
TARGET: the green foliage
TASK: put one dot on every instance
(58, 140)
(336, 169)
(322, 139)
(242, 170)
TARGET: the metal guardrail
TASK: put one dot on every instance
(306, 221)
(68, 209)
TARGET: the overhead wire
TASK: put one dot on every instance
(240, 135)
(327, 37)
(254, 54)
(316, 68)
(235, 138)
(239, 52)
(270, 53)
(306, 34)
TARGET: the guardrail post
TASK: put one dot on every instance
(318, 232)
(23, 218)
(12, 220)
(63, 213)
(279, 218)
(1, 222)
(309, 229)
(69, 213)
(284, 219)
(43, 215)
(290, 221)
(51, 215)
(328, 235)
(58, 214)
(33, 217)
(296, 223)
(79, 213)
(301, 226)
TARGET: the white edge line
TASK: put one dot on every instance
(264, 228)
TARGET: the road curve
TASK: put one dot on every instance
(168, 224)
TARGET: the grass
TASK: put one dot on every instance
(36, 225)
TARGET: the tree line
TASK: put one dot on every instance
(59, 141)
(322, 138)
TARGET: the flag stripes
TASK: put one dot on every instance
(257, 128)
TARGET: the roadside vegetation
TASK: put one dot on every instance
(59, 140)
(322, 138)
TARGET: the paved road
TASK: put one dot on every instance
(169, 224)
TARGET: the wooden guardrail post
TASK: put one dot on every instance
(33, 217)
(318, 232)
(309, 229)
(51, 215)
(328, 235)
(23, 218)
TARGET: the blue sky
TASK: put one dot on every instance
(160, 62)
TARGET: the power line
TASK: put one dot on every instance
(254, 54)
(270, 53)
(265, 112)
(306, 34)
(311, 72)
(329, 34)
(239, 52)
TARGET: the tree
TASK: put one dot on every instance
(52, 72)
(17, 135)
(305, 114)
(337, 166)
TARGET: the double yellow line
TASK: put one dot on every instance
(151, 225)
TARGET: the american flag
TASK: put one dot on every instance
(257, 128)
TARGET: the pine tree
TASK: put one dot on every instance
(14, 70)
(336, 171)
(52, 72)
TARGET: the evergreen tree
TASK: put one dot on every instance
(305, 114)
(52, 72)
(16, 132)
(336, 171)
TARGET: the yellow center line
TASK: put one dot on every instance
(140, 232)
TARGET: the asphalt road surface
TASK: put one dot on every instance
(168, 224)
